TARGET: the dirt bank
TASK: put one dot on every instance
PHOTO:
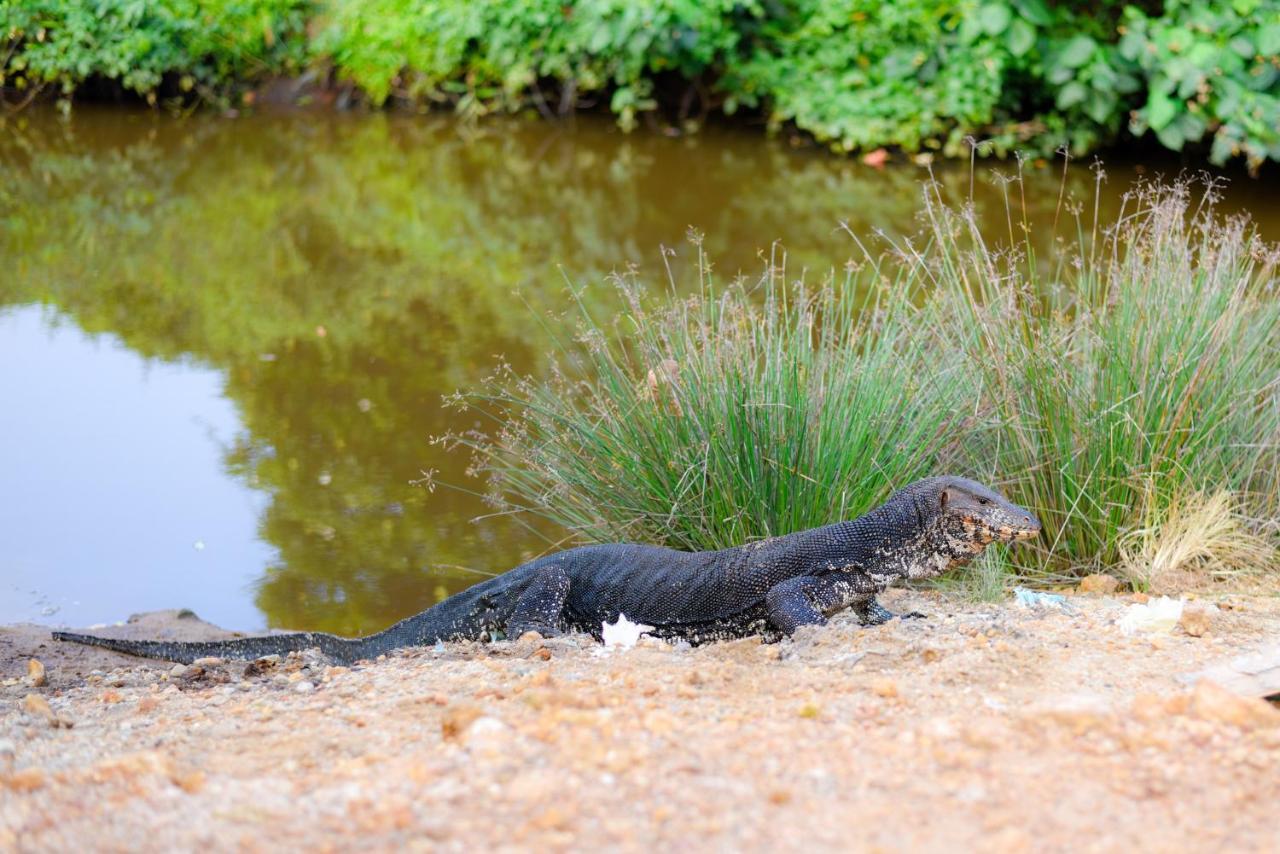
(983, 727)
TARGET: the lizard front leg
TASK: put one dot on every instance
(789, 604)
(540, 607)
(806, 600)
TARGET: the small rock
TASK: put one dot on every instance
(1099, 582)
(36, 676)
(209, 661)
(37, 706)
(1196, 619)
(457, 719)
(26, 780)
(304, 688)
(178, 671)
(542, 654)
(884, 687)
(1211, 701)
(34, 704)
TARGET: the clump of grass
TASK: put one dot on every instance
(1136, 366)
(734, 414)
(1197, 537)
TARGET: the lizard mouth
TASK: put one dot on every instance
(1011, 535)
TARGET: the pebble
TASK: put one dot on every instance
(178, 671)
(36, 676)
(37, 706)
(884, 687)
(209, 661)
(1196, 619)
(304, 688)
(1210, 701)
(1099, 582)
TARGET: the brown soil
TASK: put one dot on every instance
(981, 728)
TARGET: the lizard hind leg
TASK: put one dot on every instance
(540, 607)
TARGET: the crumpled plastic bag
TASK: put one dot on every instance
(1156, 616)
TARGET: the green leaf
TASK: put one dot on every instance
(1077, 52)
(1242, 46)
(1071, 94)
(1035, 11)
(1171, 137)
(1021, 38)
(994, 18)
(1131, 45)
(1161, 110)
(1101, 106)
(1269, 40)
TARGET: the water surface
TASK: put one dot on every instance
(224, 342)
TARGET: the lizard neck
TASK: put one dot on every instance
(895, 540)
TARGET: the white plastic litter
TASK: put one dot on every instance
(622, 634)
(1157, 616)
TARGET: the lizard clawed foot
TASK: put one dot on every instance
(875, 614)
(533, 632)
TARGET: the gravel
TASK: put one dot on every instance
(984, 727)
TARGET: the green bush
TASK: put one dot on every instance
(492, 54)
(1210, 68)
(861, 73)
(205, 45)
(855, 74)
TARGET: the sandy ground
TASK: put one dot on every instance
(994, 728)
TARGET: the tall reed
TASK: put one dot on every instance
(1135, 367)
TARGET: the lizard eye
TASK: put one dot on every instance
(984, 501)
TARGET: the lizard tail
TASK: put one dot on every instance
(341, 650)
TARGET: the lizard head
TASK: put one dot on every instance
(983, 515)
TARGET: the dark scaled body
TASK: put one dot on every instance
(770, 587)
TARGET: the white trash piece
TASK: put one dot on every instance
(622, 634)
(1157, 616)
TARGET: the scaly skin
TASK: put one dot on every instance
(767, 588)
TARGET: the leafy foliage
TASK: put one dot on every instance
(855, 74)
(1210, 68)
(492, 54)
(202, 45)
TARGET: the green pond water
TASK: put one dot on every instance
(224, 342)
